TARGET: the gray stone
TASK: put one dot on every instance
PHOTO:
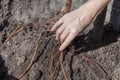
(116, 73)
(115, 15)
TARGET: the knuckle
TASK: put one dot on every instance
(73, 31)
(58, 32)
(58, 22)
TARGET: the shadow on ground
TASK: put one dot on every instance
(110, 36)
(4, 71)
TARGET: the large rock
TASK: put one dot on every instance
(115, 15)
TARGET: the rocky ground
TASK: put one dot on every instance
(84, 59)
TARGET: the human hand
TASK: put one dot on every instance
(72, 23)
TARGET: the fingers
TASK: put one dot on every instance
(64, 35)
(67, 41)
(59, 31)
(57, 25)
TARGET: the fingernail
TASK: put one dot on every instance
(60, 49)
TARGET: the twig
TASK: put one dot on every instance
(93, 62)
(65, 9)
(52, 71)
(20, 29)
(63, 70)
(55, 19)
(32, 59)
(50, 23)
(51, 63)
(12, 34)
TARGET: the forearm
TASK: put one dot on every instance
(99, 4)
(95, 6)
